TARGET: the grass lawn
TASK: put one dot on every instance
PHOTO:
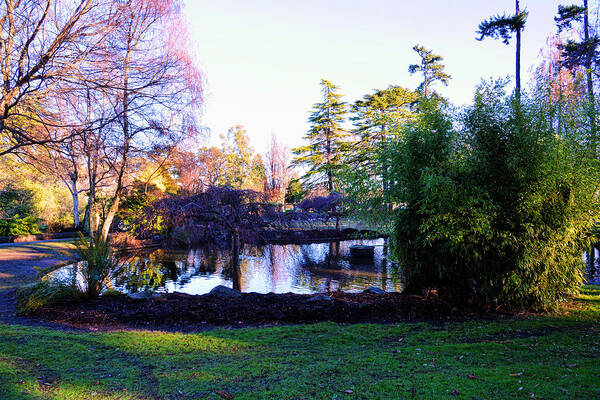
(550, 357)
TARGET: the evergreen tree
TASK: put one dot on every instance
(583, 53)
(431, 68)
(365, 178)
(377, 119)
(380, 114)
(502, 27)
(326, 138)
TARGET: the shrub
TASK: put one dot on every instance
(17, 226)
(499, 210)
(17, 212)
(33, 297)
(98, 263)
(16, 201)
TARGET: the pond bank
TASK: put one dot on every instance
(225, 307)
(286, 236)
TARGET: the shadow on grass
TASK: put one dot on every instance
(552, 356)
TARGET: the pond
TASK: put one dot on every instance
(306, 268)
(302, 269)
(592, 266)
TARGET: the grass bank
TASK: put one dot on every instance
(549, 357)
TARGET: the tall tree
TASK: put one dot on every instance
(377, 118)
(244, 168)
(431, 68)
(502, 27)
(197, 171)
(42, 46)
(581, 53)
(326, 139)
(277, 171)
(151, 90)
(560, 92)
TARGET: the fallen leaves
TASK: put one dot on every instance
(224, 395)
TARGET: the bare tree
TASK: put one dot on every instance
(197, 171)
(42, 45)
(277, 170)
(150, 92)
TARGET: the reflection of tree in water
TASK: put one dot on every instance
(146, 272)
(276, 268)
(592, 272)
(337, 270)
(151, 271)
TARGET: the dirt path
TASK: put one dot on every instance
(20, 264)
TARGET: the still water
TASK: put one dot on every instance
(592, 266)
(307, 268)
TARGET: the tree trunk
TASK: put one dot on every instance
(114, 207)
(590, 85)
(108, 220)
(75, 196)
(91, 206)
(518, 57)
(328, 154)
(235, 259)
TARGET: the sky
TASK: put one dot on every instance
(263, 59)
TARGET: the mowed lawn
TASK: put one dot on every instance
(550, 357)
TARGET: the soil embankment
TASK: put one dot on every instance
(182, 312)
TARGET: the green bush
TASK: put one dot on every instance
(16, 201)
(132, 212)
(33, 297)
(17, 226)
(98, 263)
(17, 212)
(498, 210)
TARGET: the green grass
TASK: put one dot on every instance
(549, 357)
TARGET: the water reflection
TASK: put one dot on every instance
(305, 268)
(308, 268)
(592, 266)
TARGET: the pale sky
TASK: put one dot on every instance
(263, 59)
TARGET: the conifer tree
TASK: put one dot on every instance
(583, 53)
(431, 68)
(502, 27)
(380, 114)
(326, 139)
(378, 118)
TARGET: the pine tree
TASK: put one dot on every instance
(381, 113)
(326, 138)
(431, 68)
(502, 27)
(583, 53)
(378, 118)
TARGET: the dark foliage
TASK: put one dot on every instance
(567, 15)
(575, 54)
(502, 26)
(211, 216)
(321, 204)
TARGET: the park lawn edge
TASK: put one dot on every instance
(552, 356)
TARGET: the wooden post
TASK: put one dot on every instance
(235, 259)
